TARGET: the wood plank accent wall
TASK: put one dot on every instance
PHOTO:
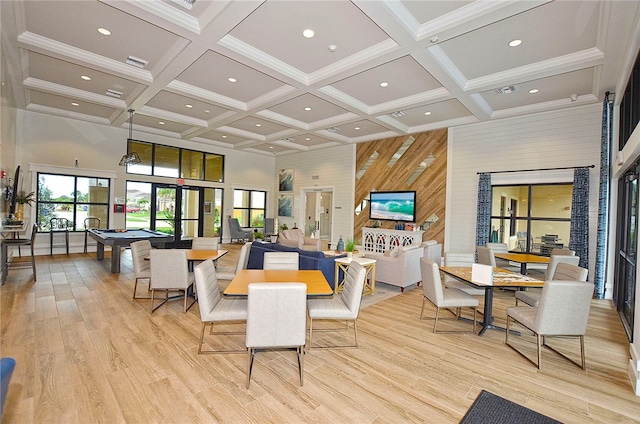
(430, 187)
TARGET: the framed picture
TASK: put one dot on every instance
(285, 178)
(285, 205)
(207, 208)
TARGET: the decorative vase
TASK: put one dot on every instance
(20, 212)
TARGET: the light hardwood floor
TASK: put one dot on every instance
(87, 353)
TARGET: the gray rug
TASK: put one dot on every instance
(491, 409)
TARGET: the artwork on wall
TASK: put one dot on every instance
(285, 179)
(285, 205)
(207, 208)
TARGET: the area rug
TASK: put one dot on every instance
(492, 409)
(383, 292)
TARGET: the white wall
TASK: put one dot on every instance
(56, 141)
(566, 138)
(332, 168)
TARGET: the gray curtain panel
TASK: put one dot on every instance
(483, 220)
(579, 233)
(603, 196)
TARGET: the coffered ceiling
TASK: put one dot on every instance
(241, 74)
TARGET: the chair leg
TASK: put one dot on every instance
(539, 343)
(422, 309)
(310, 332)
(435, 323)
(85, 241)
(582, 355)
(250, 354)
(355, 330)
(300, 352)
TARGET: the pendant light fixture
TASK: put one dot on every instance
(131, 157)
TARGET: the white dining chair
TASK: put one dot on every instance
(276, 319)
(281, 260)
(214, 308)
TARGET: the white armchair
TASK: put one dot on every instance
(401, 267)
(296, 238)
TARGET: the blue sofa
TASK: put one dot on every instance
(307, 260)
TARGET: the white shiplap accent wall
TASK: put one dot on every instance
(564, 138)
(335, 169)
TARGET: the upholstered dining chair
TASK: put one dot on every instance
(464, 259)
(170, 272)
(213, 307)
(442, 297)
(563, 311)
(276, 319)
(281, 260)
(141, 264)
(345, 306)
(499, 248)
(243, 259)
(205, 243)
(562, 251)
(563, 271)
(554, 260)
(485, 256)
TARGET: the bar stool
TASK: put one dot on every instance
(90, 223)
(59, 225)
(25, 242)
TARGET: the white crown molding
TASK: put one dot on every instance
(74, 93)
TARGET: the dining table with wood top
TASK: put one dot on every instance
(523, 259)
(317, 284)
(502, 278)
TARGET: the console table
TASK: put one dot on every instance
(378, 240)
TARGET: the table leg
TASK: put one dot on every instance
(100, 251)
(4, 262)
(523, 268)
(487, 320)
(115, 259)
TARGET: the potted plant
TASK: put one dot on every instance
(22, 198)
(284, 227)
(350, 247)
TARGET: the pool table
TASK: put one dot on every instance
(118, 239)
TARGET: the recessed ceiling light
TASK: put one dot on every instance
(75, 104)
(384, 84)
(232, 79)
(207, 111)
(427, 113)
(85, 77)
(161, 122)
(271, 147)
(224, 136)
(308, 33)
(104, 31)
(307, 138)
(533, 91)
(356, 128)
(515, 43)
(189, 106)
(307, 109)
(258, 125)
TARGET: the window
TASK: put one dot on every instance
(249, 207)
(532, 218)
(72, 197)
(173, 162)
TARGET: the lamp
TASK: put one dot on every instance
(131, 157)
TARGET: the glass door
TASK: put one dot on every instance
(189, 213)
(163, 215)
(626, 248)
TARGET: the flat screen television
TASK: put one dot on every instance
(393, 205)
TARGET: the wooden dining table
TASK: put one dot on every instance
(523, 259)
(502, 278)
(317, 284)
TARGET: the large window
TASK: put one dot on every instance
(532, 218)
(249, 206)
(166, 161)
(72, 197)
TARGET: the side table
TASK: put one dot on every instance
(370, 276)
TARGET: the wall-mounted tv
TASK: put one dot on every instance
(393, 205)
